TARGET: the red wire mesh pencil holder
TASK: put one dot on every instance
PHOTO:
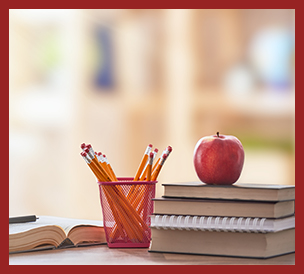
(126, 208)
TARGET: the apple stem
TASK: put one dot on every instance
(218, 134)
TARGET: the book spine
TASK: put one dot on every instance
(210, 223)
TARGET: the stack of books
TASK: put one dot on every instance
(242, 220)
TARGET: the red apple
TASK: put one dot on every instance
(218, 159)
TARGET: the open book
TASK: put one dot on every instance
(50, 232)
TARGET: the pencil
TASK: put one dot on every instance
(138, 192)
(158, 168)
(166, 151)
(144, 173)
(104, 165)
(92, 166)
(149, 167)
(143, 162)
(23, 219)
(90, 152)
(109, 167)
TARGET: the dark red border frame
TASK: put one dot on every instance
(140, 268)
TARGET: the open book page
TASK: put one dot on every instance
(23, 227)
(74, 229)
(68, 223)
(65, 223)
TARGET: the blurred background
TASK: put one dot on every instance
(122, 79)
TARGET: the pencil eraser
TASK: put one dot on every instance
(156, 150)
(83, 145)
(104, 155)
(150, 145)
(165, 156)
(99, 153)
(83, 154)
(88, 146)
(86, 150)
(151, 154)
(169, 148)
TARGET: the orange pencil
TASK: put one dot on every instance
(166, 151)
(89, 150)
(149, 167)
(109, 167)
(104, 165)
(92, 166)
(143, 162)
(144, 173)
(91, 154)
(102, 161)
(158, 168)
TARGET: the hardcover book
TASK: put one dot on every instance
(258, 192)
(236, 244)
(229, 208)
